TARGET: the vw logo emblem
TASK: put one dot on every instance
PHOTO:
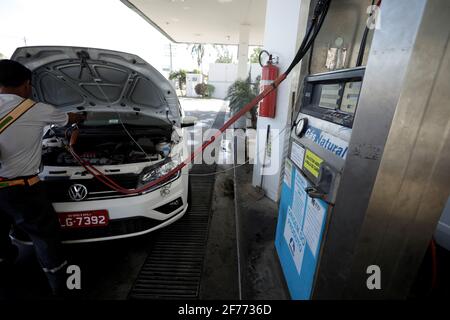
(78, 192)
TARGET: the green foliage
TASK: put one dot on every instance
(254, 57)
(223, 53)
(180, 76)
(211, 89)
(224, 59)
(177, 74)
(242, 92)
(200, 89)
(205, 90)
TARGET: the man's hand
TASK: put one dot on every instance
(76, 118)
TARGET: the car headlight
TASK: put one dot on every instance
(161, 169)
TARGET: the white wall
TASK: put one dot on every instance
(285, 26)
(192, 79)
(222, 75)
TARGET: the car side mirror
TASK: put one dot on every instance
(188, 121)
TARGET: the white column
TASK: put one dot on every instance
(284, 29)
(244, 38)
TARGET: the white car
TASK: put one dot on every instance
(133, 134)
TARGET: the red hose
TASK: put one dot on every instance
(114, 186)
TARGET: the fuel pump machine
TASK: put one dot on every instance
(319, 145)
(367, 171)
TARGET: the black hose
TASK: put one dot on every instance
(320, 13)
(362, 47)
(300, 52)
(308, 34)
(311, 54)
(316, 31)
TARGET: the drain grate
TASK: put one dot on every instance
(173, 268)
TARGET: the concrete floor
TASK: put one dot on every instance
(262, 277)
(220, 276)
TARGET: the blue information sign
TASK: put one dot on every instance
(301, 223)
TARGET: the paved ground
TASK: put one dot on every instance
(109, 269)
(205, 111)
(257, 219)
(220, 275)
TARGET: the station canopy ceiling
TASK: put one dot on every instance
(204, 21)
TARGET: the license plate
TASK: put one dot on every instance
(85, 219)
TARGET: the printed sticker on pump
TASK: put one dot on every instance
(327, 141)
(312, 163)
(297, 154)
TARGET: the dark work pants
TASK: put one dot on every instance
(29, 209)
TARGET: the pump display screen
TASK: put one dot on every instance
(350, 96)
(330, 96)
(333, 96)
(340, 96)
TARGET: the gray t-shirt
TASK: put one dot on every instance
(21, 142)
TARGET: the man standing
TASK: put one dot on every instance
(23, 200)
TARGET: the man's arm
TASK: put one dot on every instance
(52, 116)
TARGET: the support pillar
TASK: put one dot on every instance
(244, 38)
(285, 27)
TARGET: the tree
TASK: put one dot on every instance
(180, 76)
(224, 59)
(205, 90)
(241, 92)
(198, 52)
(254, 57)
(223, 53)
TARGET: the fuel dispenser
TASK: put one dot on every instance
(319, 145)
(367, 171)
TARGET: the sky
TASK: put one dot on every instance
(106, 24)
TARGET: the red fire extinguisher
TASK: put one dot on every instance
(267, 106)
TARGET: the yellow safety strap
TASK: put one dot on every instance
(15, 114)
(19, 182)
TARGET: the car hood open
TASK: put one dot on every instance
(87, 79)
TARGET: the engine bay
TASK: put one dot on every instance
(110, 145)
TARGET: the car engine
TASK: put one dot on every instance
(107, 147)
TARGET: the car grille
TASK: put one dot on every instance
(58, 188)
